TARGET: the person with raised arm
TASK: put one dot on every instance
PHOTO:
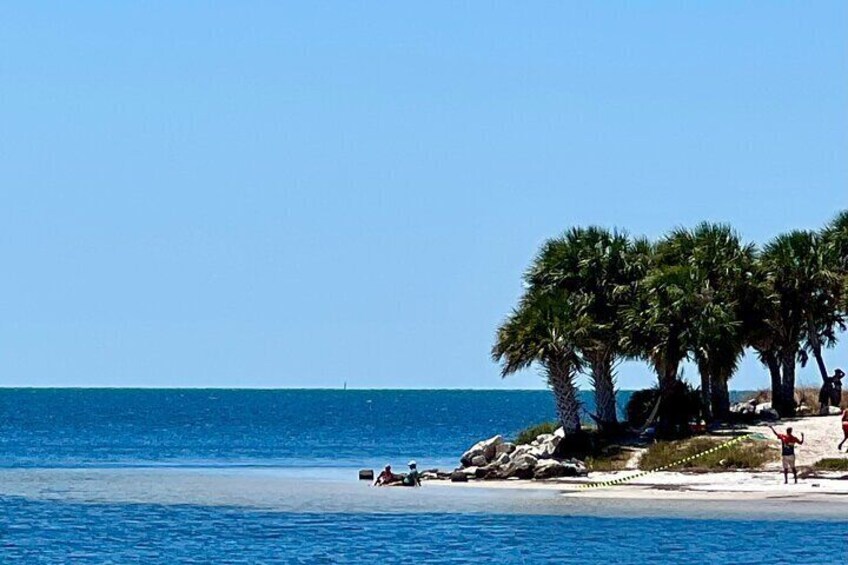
(787, 451)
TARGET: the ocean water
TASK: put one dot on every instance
(279, 428)
(214, 476)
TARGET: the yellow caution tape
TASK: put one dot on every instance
(670, 465)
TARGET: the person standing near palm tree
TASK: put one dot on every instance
(830, 393)
(825, 395)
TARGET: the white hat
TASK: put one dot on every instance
(412, 463)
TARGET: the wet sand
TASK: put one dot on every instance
(338, 492)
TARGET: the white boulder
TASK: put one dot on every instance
(550, 468)
(504, 448)
(479, 460)
(543, 438)
(486, 448)
(521, 467)
(501, 459)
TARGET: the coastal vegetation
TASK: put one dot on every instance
(612, 458)
(749, 454)
(527, 435)
(594, 297)
(831, 464)
(681, 404)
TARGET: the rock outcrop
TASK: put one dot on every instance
(754, 409)
(494, 458)
(486, 448)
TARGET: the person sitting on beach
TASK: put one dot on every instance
(844, 428)
(386, 477)
(787, 450)
(413, 478)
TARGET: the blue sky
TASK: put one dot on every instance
(298, 195)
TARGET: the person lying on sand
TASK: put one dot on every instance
(386, 477)
(787, 450)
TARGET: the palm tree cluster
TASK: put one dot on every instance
(594, 297)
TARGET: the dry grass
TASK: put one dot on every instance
(749, 454)
(612, 458)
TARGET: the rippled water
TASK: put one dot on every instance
(244, 427)
(37, 532)
(269, 476)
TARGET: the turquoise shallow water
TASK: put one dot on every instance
(268, 476)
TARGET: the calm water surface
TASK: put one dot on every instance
(124, 476)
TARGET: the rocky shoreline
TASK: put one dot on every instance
(496, 459)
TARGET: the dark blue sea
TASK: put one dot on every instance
(238, 476)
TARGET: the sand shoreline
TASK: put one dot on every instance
(822, 434)
(731, 485)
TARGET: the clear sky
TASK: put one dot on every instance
(274, 194)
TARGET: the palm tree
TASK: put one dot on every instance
(592, 269)
(802, 310)
(722, 268)
(539, 332)
(658, 323)
(835, 237)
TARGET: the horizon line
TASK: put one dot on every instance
(83, 387)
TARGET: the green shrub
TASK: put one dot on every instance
(831, 464)
(527, 435)
(749, 454)
(640, 405)
(682, 405)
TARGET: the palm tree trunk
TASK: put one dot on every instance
(719, 395)
(788, 383)
(561, 380)
(813, 336)
(706, 389)
(773, 365)
(668, 379)
(604, 389)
